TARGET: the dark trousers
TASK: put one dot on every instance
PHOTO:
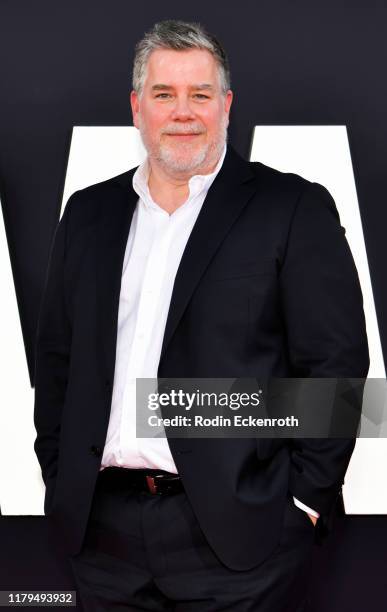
(147, 552)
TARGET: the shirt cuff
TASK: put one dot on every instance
(305, 508)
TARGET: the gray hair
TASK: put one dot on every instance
(178, 35)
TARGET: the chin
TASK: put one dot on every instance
(180, 161)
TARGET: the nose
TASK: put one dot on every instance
(182, 110)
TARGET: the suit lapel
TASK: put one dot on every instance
(113, 228)
(226, 198)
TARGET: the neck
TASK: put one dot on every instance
(170, 189)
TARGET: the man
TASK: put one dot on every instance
(196, 264)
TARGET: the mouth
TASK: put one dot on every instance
(184, 136)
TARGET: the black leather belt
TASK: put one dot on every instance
(156, 482)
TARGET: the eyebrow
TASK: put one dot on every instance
(199, 86)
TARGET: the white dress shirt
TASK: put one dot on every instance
(155, 245)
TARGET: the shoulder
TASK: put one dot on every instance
(277, 182)
(84, 206)
(92, 194)
(290, 190)
(274, 184)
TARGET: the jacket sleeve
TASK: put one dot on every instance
(326, 334)
(52, 357)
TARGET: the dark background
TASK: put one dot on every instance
(65, 63)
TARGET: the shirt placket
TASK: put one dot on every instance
(151, 288)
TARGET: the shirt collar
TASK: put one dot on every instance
(196, 184)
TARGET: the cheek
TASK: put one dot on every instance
(153, 118)
(213, 119)
(214, 124)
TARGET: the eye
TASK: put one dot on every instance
(163, 95)
(201, 96)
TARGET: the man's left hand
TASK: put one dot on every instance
(312, 518)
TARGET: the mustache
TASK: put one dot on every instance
(192, 128)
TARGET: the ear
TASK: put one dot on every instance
(227, 101)
(135, 104)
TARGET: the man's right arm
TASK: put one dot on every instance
(52, 357)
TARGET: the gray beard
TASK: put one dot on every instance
(207, 156)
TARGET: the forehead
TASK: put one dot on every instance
(180, 68)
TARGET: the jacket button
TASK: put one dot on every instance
(108, 384)
(96, 451)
